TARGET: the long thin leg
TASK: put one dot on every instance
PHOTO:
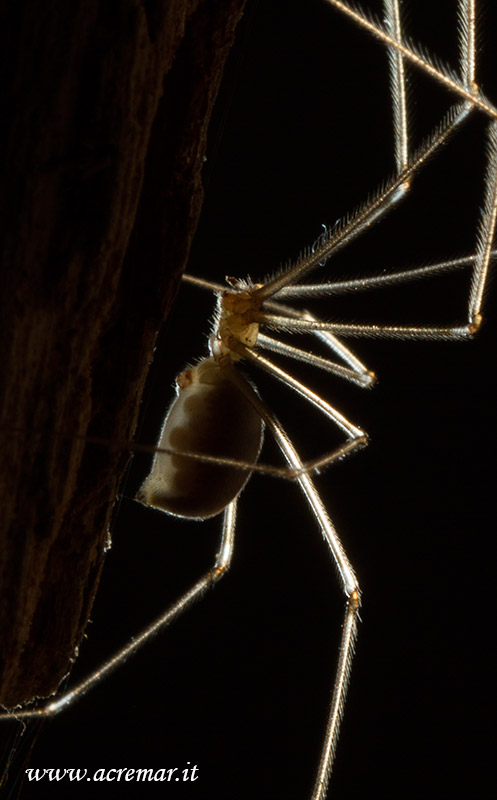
(311, 466)
(467, 43)
(385, 199)
(397, 86)
(420, 59)
(362, 379)
(197, 591)
(351, 590)
(367, 282)
(351, 430)
(444, 332)
(481, 264)
(486, 231)
(359, 372)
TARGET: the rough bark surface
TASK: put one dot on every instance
(108, 109)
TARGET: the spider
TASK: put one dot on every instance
(419, 295)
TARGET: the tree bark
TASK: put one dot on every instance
(108, 110)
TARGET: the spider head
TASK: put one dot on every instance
(235, 323)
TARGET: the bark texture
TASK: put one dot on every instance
(107, 108)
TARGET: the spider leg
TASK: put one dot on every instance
(194, 593)
(351, 430)
(351, 591)
(375, 209)
(356, 440)
(485, 234)
(412, 332)
(467, 40)
(358, 372)
(397, 86)
(364, 379)
(464, 88)
(371, 281)
(481, 262)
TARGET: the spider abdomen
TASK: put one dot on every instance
(210, 416)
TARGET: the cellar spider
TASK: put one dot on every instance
(319, 791)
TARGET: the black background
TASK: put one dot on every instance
(240, 685)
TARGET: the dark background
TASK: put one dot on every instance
(240, 685)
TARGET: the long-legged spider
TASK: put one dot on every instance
(385, 493)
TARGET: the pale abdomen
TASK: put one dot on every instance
(209, 416)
